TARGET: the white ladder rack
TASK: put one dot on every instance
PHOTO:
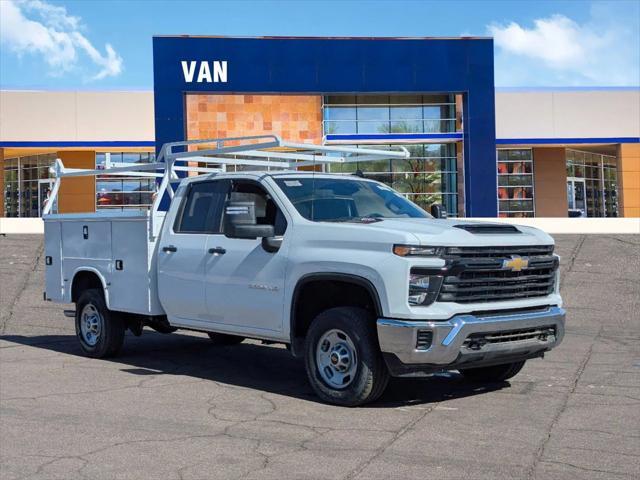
(264, 152)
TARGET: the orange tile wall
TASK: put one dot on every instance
(550, 182)
(296, 118)
(629, 179)
(2, 181)
(77, 195)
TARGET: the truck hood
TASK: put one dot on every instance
(440, 232)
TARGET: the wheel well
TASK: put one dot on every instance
(316, 295)
(83, 281)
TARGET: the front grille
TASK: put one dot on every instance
(477, 274)
(477, 340)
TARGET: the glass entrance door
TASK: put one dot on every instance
(45, 186)
(576, 197)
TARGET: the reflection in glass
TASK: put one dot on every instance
(423, 177)
(515, 183)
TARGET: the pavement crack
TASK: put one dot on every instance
(585, 469)
(539, 454)
(379, 451)
(572, 259)
(22, 287)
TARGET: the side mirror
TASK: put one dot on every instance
(240, 221)
(272, 244)
(438, 211)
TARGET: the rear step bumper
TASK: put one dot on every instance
(471, 339)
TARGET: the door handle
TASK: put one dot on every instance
(218, 250)
(170, 248)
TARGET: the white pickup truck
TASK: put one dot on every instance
(350, 275)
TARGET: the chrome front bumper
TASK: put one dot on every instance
(448, 347)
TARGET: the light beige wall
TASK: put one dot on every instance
(76, 116)
(568, 114)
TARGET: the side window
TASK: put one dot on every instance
(202, 208)
(267, 212)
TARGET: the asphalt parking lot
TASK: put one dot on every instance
(176, 407)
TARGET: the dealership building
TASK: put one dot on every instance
(478, 150)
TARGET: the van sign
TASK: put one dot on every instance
(207, 72)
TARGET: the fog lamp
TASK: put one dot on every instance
(423, 289)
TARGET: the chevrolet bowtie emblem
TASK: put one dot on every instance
(515, 263)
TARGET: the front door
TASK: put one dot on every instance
(244, 283)
(576, 197)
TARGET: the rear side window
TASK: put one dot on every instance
(202, 209)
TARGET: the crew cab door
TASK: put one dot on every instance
(244, 282)
(182, 253)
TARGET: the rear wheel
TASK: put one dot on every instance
(224, 339)
(100, 331)
(497, 373)
(342, 358)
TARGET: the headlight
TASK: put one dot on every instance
(423, 289)
(417, 251)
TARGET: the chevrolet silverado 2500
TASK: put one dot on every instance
(354, 278)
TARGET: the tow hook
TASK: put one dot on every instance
(476, 343)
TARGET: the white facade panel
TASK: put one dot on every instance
(123, 116)
(40, 116)
(37, 116)
(581, 114)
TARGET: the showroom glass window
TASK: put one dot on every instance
(598, 173)
(122, 192)
(375, 114)
(515, 183)
(27, 184)
(429, 176)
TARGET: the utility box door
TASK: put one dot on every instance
(130, 278)
(87, 239)
(53, 261)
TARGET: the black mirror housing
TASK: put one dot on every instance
(438, 211)
(240, 222)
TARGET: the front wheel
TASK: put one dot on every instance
(342, 357)
(497, 373)
(100, 331)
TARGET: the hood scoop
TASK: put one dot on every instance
(488, 228)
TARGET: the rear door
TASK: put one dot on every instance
(182, 254)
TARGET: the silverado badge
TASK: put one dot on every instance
(515, 263)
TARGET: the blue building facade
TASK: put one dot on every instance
(435, 96)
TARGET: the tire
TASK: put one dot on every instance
(497, 373)
(345, 341)
(100, 331)
(223, 339)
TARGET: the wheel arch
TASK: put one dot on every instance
(299, 321)
(87, 277)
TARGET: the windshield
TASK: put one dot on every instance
(346, 200)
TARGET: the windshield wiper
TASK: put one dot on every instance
(355, 220)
